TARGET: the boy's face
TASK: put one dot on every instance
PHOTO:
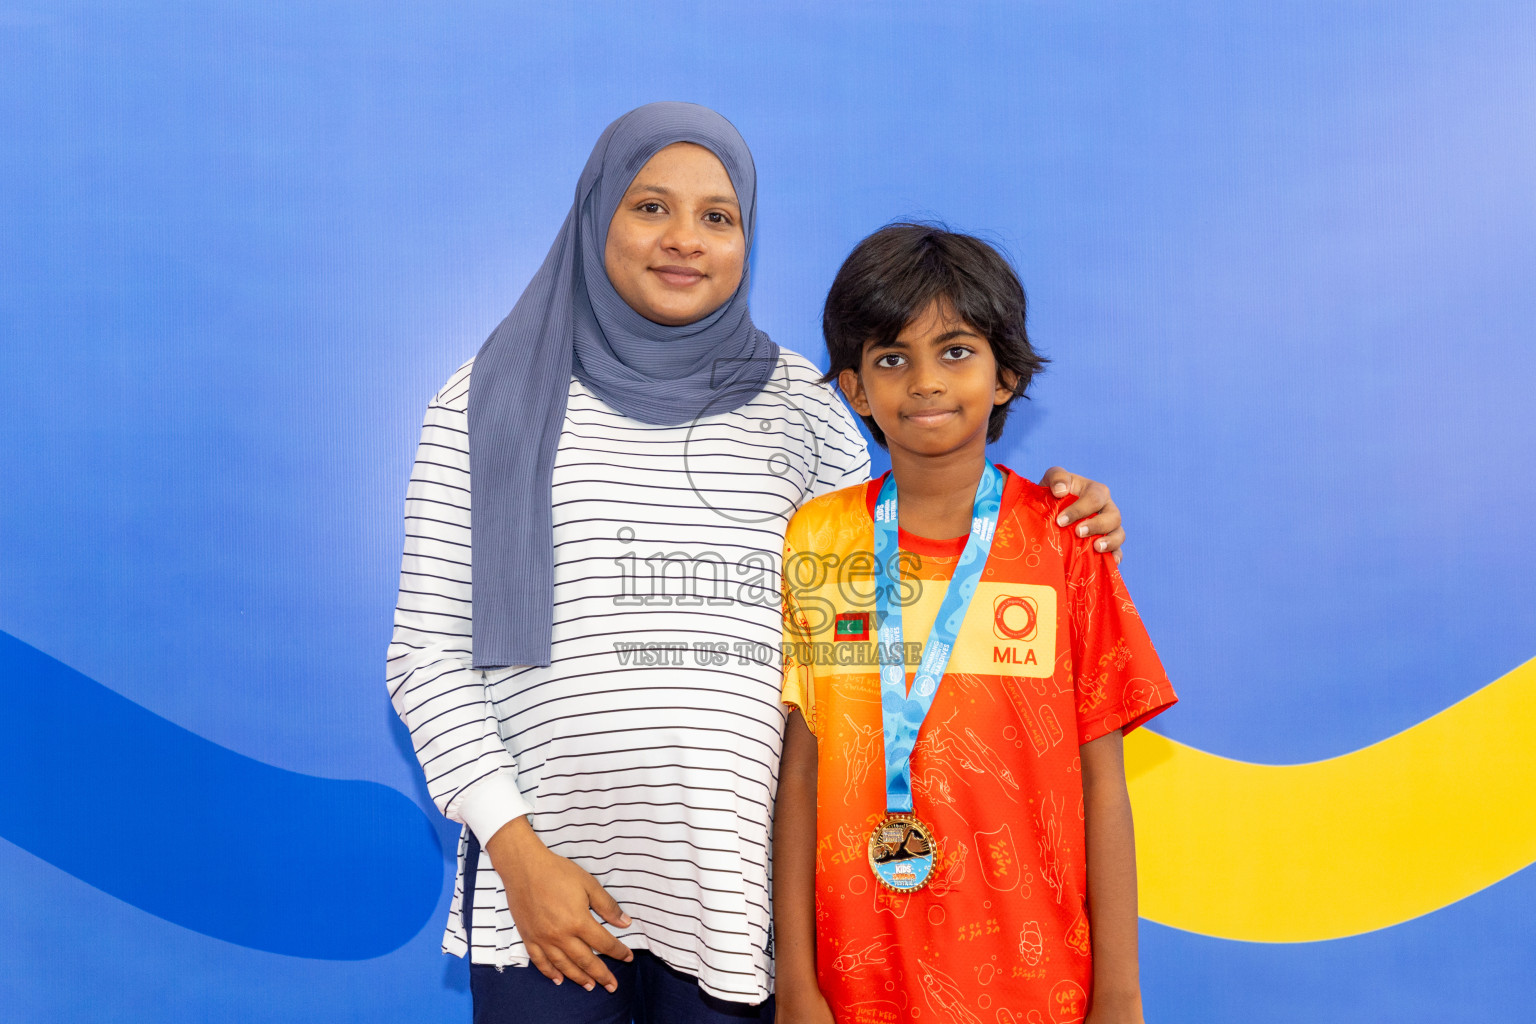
(931, 391)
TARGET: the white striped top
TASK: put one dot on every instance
(648, 751)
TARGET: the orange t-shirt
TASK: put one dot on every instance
(1051, 654)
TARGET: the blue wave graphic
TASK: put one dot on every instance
(201, 836)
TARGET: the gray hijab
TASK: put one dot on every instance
(568, 321)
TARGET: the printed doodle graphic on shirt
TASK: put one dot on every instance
(1077, 934)
(1000, 863)
(868, 954)
(949, 872)
(944, 996)
(1031, 943)
(1049, 839)
(1069, 1002)
(861, 752)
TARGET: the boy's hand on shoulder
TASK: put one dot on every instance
(1094, 511)
(801, 1005)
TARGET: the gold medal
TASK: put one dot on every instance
(902, 852)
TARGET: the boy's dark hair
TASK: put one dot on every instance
(892, 276)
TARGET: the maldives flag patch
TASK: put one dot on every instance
(851, 626)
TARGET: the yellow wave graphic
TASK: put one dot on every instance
(1299, 853)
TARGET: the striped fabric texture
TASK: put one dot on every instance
(647, 752)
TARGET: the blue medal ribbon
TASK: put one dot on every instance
(902, 712)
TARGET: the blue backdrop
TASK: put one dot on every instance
(1281, 255)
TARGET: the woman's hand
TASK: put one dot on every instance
(1093, 504)
(802, 1004)
(552, 901)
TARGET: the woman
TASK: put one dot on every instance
(625, 450)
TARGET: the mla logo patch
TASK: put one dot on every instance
(1009, 629)
(1015, 617)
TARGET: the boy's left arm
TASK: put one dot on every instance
(794, 881)
(1112, 915)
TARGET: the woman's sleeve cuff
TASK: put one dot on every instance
(489, 803)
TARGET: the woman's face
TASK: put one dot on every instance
(675, 247)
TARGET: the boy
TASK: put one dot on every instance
(952, 787)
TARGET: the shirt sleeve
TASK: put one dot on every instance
(799, 680)
(843, 455)
(1118, 678)
(443, 700)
